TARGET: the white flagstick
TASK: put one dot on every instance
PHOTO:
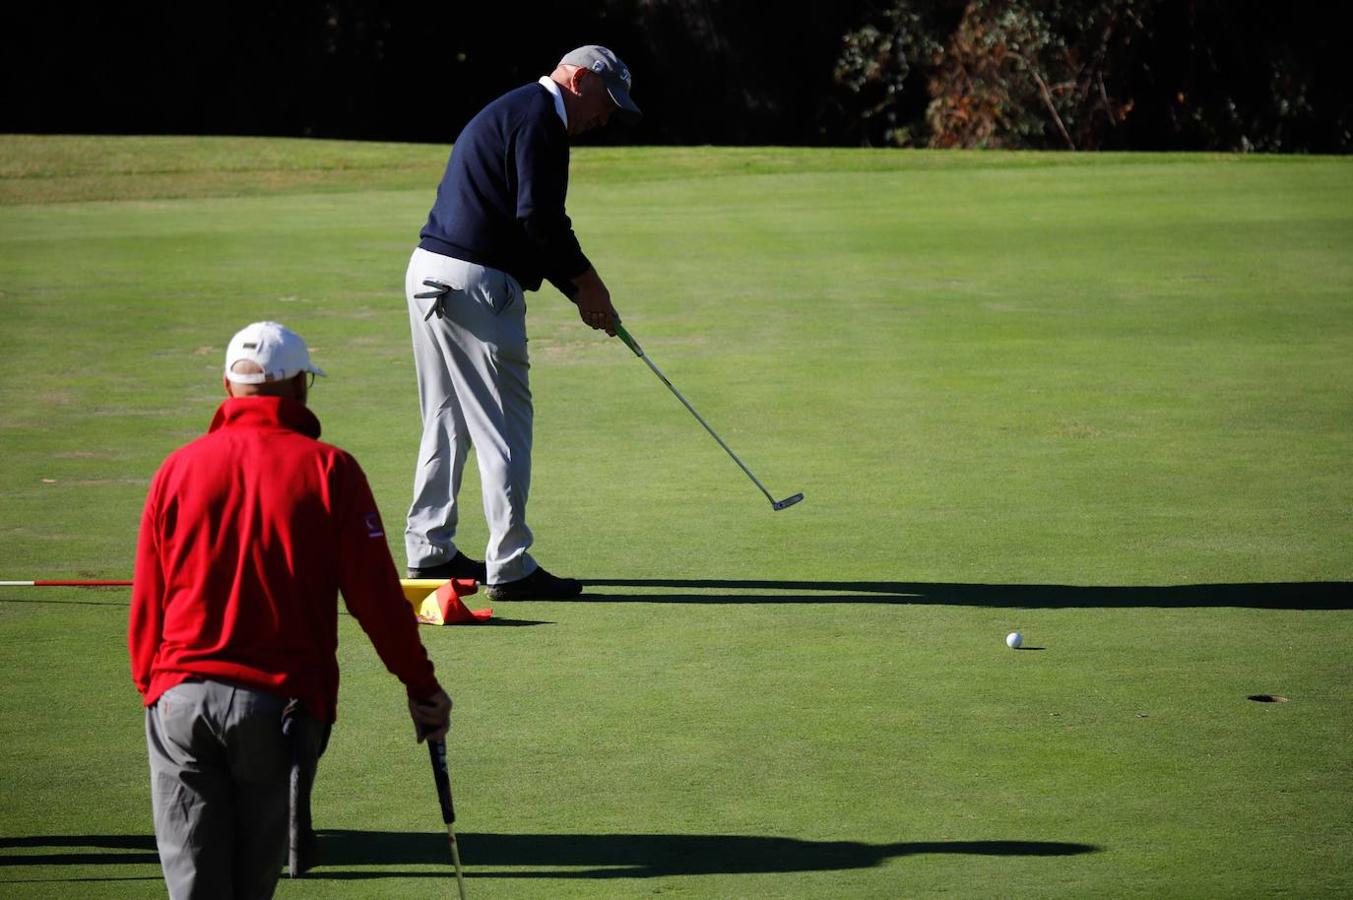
(65, 583)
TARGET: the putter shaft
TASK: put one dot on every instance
(455, 859)
(638, 351)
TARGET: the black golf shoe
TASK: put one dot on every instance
(459, 566)
(539, 585)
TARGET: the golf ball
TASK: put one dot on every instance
(1013, 640)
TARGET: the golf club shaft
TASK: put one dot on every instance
(638, 351)
(455, 859)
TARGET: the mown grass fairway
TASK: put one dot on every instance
(1103, 399)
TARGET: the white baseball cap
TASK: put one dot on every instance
(276, 349)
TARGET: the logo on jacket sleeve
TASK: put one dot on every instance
(373, 525)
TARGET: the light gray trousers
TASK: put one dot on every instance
(219, 772)
(469, 349)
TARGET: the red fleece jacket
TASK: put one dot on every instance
(248, 535)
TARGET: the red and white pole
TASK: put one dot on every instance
(65, 583)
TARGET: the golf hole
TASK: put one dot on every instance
(1267, 698)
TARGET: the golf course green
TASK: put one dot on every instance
(1104, 400)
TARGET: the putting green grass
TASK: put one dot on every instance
(1103, 399)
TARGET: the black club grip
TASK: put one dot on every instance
(437, 753)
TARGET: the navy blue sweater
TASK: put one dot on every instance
(501, 201)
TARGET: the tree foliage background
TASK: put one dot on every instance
(1083, 74)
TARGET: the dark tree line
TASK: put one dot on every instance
(1084, 74)
(1088, 74)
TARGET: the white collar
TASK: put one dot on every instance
(550, 85)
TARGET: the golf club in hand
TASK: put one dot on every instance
(638, 351)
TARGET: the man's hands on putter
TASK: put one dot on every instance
(594, 303)
(431, 717)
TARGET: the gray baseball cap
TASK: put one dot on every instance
(614, 74)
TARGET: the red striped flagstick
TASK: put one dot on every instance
(65, 583)
(450, 609)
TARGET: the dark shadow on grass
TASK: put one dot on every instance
(634, 855)
(344, 854)
(1278, 595)
(159, 878)
(1297, 595)
(78, 850)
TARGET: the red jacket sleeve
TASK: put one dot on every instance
(370, 584)
(145, 623)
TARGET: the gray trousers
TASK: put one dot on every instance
(219, 769)
(469, 349)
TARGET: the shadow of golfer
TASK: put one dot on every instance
(636, 855)
(1302, 595)
(79, 850)
(1276, 595)
(344, 853)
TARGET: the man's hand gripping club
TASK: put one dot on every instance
(594, 302)
(431, 716)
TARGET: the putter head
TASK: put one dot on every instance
(787, 502)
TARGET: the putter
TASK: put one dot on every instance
(437, 753)
(630, 342)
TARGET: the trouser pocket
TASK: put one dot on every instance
(500, 291)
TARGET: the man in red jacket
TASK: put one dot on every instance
(248, 535)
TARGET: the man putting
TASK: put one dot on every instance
(497, 229)
(248, 535)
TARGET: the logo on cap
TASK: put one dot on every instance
(601, 65)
